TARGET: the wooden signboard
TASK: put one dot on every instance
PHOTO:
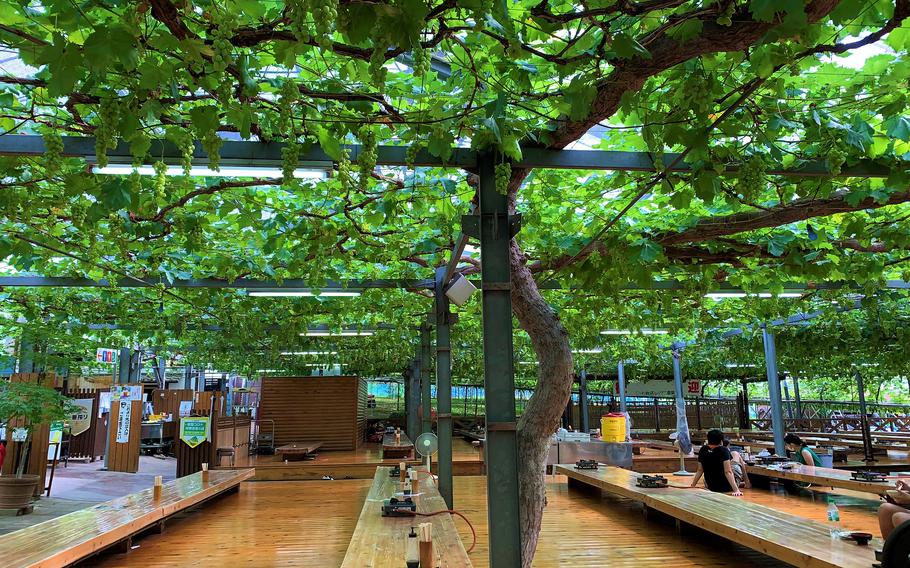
(124, 455)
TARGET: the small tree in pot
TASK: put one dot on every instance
(29, 405)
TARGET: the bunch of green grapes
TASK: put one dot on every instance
(53, 152)
(224, 90)
(752, 177)
(211, 143)
(116, 233)
(366, 160)
(287, 96)
(503, 174)
(160, 180)
(836, 159)
(290, 156)
(344, 171)
(78, 212)
(421, 63)
(297, 10)
(223, 51)
(378, 71)
(185, 142)
(106, 129)
(325, 12)
(135, 181)
(410, 156)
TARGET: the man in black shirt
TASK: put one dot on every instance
(715, 463)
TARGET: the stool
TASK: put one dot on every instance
(222, 452)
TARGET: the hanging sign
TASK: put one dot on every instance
(56, 436)
(82, 420)
(186, 406)
(660, 388)
(195, 430)
(20, 434)
(126, 392)
(123, 422)
(105, 355)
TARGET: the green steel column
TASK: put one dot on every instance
(123, 366)
(26, 354)
(499, 380)
(621, 378)
(583, 402)
(413, 399)
(777, 405)
(443, 387)
(868, 453)
(426, 402)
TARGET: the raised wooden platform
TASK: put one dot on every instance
(403, 448)
(823, 476)
(78, 535)
(381, 541)
(787, 537)
(297, 451)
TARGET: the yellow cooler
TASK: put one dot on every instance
(613, 427)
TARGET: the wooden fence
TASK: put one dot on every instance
(85, 445)
(124, 456)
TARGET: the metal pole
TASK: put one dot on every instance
(583, 401)
(744, 422)
(26, 355)
(799, 402)
(188, 376)
(499, 379)
(783, 381)
(621, 374)
(868, 454)
(123, 366)
(412, 397)
(443, 387)
(777, 411)
(426, 403)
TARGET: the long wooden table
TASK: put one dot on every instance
(792, 539)
(823, 476)
(403, 449)
(380, 542)
(80, 534)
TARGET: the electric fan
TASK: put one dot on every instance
(426, 445)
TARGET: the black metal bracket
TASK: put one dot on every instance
(470, 224)
(502, 427)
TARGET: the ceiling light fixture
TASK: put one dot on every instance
(722, 295)
(336, 333)
(632, 332)
(289, 293)
(289, 353)
(201, 171)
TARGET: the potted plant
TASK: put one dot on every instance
(27, 405)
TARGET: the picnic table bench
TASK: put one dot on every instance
(789, 538)
(296, 451)
(380, 542)
(73, 537)
(403, 449)
(824, 476)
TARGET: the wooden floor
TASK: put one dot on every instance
(310, 523)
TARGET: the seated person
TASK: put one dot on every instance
(804, 453)
(715, 463)
(897, 510)
(739, 467)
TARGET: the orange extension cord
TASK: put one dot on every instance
(473, 533)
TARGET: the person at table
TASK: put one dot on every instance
(715, 464)
(896, 511)
(739, 466)
(804, 453)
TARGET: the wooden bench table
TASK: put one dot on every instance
(297, 451)
(391, 450)
(380, 542)
(823, 476)
(792, 539)
(80, 534)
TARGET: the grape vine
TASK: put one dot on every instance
(53, 152)
(366, 160)
(107, 128)
(503, 174)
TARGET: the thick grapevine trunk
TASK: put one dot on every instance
(543, 411)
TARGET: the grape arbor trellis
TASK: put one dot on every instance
(490, 224)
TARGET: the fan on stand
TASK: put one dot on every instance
(427, 444)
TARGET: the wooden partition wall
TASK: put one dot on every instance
(331, 410)
(85, 445)
(125, 456)
(167, 401)
(226, 432)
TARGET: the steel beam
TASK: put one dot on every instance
(26, 354)
(777, 411)
(253, 154)
(426, 402)
(868, 453)
(443, 387)
(787, 398)
(621, 380)
(799, 402)
(499, 379)
(124, 359)
(584, 426)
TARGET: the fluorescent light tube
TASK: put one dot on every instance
(202, 171)
(336, 333)
(304, 293)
